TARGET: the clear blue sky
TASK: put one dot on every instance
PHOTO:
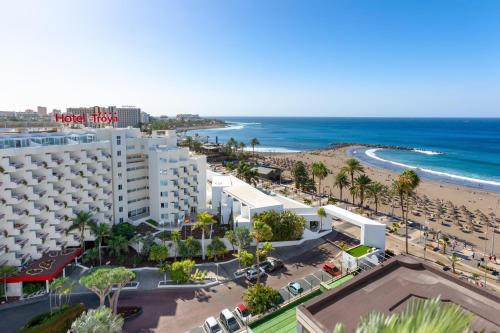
(281, 58)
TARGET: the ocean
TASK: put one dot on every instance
(463, 151)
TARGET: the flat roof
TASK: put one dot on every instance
(251, 196)
(390, 287)
(289, 203)
(351, 217)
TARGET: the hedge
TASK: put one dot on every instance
(59, 322)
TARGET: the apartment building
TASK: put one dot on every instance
(118, 175)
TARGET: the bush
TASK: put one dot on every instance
(152, 222)
(59, 322)
(32, 287)
(180, 271)
(126, 230)
(216, 248)
(285, 226)
(260, 298)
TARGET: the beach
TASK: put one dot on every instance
(473, 200)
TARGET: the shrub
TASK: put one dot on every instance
(152, 222)
(285, 225)
(100, 320)
(59, 322)
(32, 287)
(260, 298)
(180, 271)
(216, 248)
(126, 230)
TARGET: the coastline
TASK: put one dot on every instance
(334, 158)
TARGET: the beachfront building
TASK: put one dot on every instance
(127, 116)
(389, 289)
(237, 202)
(118, 175)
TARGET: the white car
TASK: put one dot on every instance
(212, 326)
(251, 274)
(229, 321)
(242, 312)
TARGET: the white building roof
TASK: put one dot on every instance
(251, 196)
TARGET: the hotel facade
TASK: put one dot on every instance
(116, 174)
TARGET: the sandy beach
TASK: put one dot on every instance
(472, 200)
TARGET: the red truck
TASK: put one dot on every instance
(331, 269)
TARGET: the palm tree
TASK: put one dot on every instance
(320, 171)
(246, 172)
(254, 142)
(175, 236)
(375, 190)
(118, 245)
(232, 143)
(444, 241)
(351, 167)
(204, 221)
(361, 183)
(101, 231)
(404, 186)
(341, 181)
(6, 271)
(454, 262)
(261, 232)
(322, 214)
(83, 220)
(354, 192)
(242, 145)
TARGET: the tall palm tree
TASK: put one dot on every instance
(261, 232)
(341, 182)
(352, 166)
(6, 271)
(83, 220)
(404, 186)
(242, 145)
(232, 143)
(361, 183)
(101, 232)
(375, 190)
(204, 222)
(322, 214)
(254, 142)
(320, 171)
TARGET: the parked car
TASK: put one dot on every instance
(241, 311)
(212, 326)
(273, 264)
(294, 288)
(251, 274)
(331, 269)
(229, 321)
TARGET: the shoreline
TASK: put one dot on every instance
(473, 199)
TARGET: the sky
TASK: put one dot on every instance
(438, 58)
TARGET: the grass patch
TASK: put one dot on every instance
(283, 320)
(359, 250)
(59, 322)
(152, 222)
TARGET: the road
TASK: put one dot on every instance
(178, 310)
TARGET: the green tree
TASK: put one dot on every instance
(125, 229)
(445, 241)
(351, 167)
(176, 241)
(242, 146)
(362, 183)
(285, 225)
(6, 271)
(260, 298)
(230, 235)
(404, 187)
(341, 181)
(83, 220)
(421, 316)
(254, 142)
(118, 246)
(159, 253)
(100, 320)
(454, 260)
(320, 171)
(247, 173)
(375, 190)
(190, 248)
(232, 143)
(163, 237)
(60, 288)
(245, 258)
(216, 248)
(261, 232)
(322, 214)
(243, 237)
(180, 271)
(102, 230)
(91, 255)
(300, 175)
(204, 222)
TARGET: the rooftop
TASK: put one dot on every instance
(389, 288)
(359, 250)
(251, 196)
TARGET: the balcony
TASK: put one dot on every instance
(39, 178)
(42, 235)
(41, 221)
(58, 189)
(18, 213)
(16, 165)
(75, 159)
(92, 170)
(93, 195)
(58, 204)
(21, 241)
(107, 180)
(18, 181)
(19, 197)
(58, 175)
(39, 163)
(22, 256)
(76, 199)
(58, 160)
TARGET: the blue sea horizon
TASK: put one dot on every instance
(462, 151)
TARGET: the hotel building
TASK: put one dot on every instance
(118, 175)
(127, 115)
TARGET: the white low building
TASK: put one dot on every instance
(237, 202)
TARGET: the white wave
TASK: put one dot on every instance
(272, 150)
(426, 152)
(371, 153)
(231, 127)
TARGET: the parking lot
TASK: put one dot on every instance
(308, 282)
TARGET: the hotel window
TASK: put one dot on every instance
(119, 174)
(120, 209)
(164, 182)
(119, 153)
(120, 198)
(119, 164)
(121, 219)
(120, 187)
(118, 140)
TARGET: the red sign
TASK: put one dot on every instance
(98, 117)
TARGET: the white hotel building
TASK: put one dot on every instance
(118, 175)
